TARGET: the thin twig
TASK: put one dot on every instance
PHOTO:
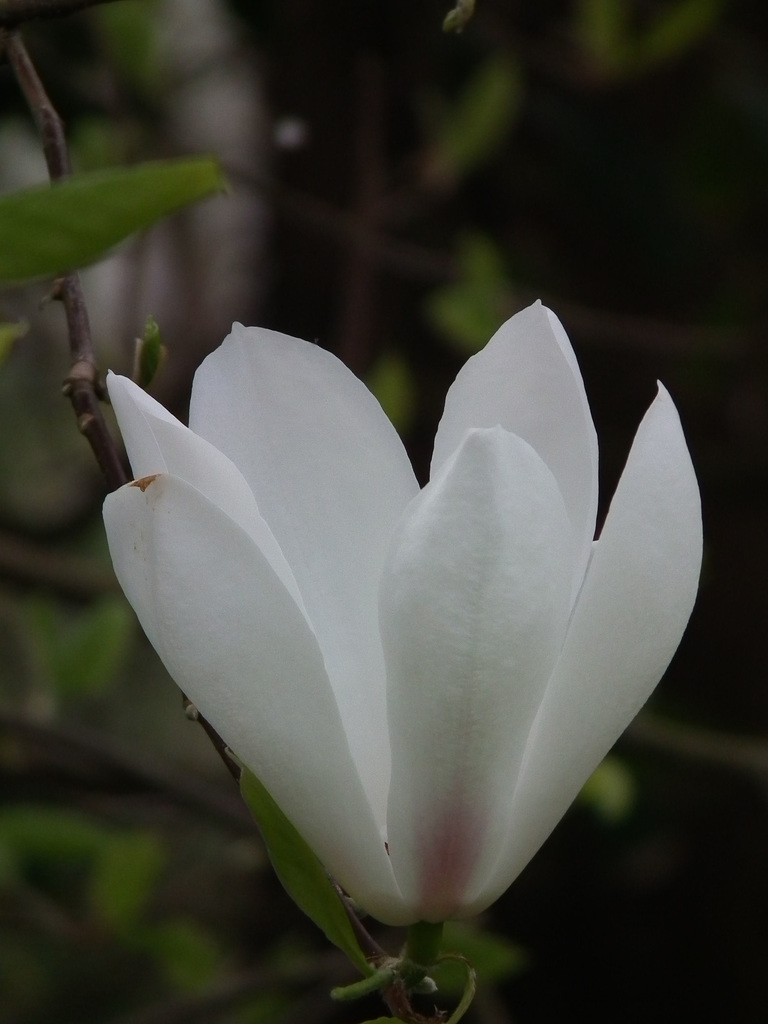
(742, 753)
(66, 744)
(83, 386)
(16, 12)
(42, 565)
(208, 1005)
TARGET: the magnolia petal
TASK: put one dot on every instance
(157, 442)
(229, 633)
(527, 380)
(474, 606)
(637, 597)
(331, 478)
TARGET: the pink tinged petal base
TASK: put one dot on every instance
(637, 597)
(474, 605)
(527, 380)
(331, 478)
(229, 632)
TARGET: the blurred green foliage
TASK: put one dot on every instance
(609, 156)
(78, 651)
(468, 312)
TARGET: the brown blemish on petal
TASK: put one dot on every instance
(144, 482)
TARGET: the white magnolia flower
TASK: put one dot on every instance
(423, 680)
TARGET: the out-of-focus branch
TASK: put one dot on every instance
(358, 316)
(207, 1006)
(83, 386)
(41, 565)
(73, 751)
(16, 12)
(725, 750)
(417, 262)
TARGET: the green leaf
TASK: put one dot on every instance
(391, 381)
(469, 312)
(386, 1020)
(187, 954)
(32, 833)
(150, 354)
(457, 19)
(610, 791)
(479, 121)
(82, 651)
(300, 872)
(10, 333)
(603, 28)
(130, 34)
(676, 30)
(50, 229)
(124, 878)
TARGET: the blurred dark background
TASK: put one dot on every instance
(396, 194)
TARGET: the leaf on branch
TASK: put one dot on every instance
(456, 20)
(150, 354)
(302, 875)
(50, 229)
(385, 1020)
(9, 333)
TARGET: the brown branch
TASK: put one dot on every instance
(82, 386)
(226, 995)
(41, 565)
(221, 748)
(725, 750)
(66, 748)
(16, 12)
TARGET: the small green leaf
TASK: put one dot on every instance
(130, 34)
(477, 124)
(603, 28)
(33, 833)
(187, 954)
(10, 333)
(385, 1020)
(150, 354)
(124, 878)
(391, 381)
(300, 872)
(610, 791)
(50, 229)
(468, 312)
(677, 29)
(80, 651)
(456, 20)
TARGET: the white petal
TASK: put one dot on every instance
(231, 636)
(331, 478)
(474, 607)
(637, 597)
(157, 442)
(527, 380)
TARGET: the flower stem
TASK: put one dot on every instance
(423, 944)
